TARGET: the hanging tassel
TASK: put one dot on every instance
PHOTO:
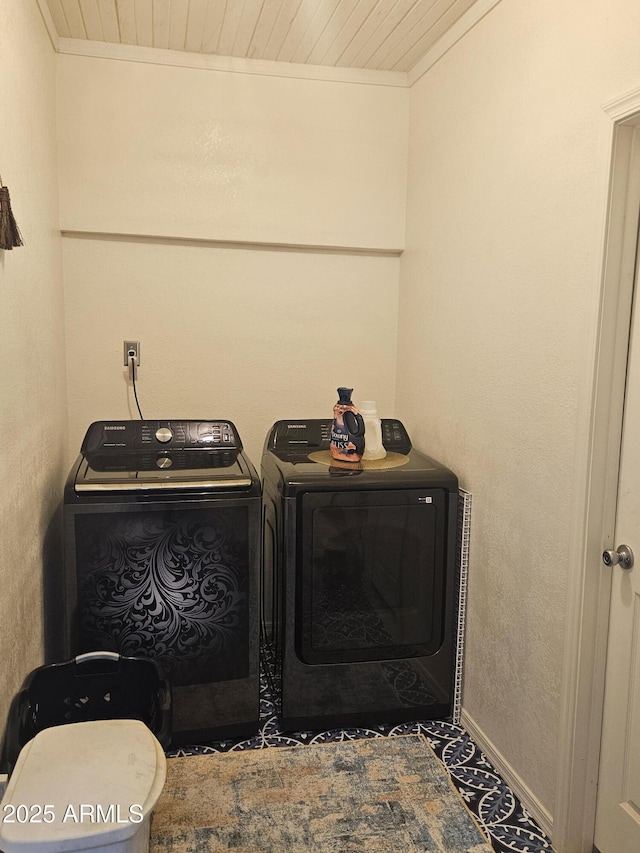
(10, 235)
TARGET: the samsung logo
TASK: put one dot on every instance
(115, 427)
(296, 426)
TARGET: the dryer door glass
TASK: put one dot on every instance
(371, 575)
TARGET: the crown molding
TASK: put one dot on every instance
(462, 26)
(49, 24)
(237, 65)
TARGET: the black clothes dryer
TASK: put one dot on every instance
(162, 560)
(359, 584)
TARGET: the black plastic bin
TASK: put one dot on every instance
(93, 686)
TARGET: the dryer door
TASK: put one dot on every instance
(370, 576)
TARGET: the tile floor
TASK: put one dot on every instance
(505, 820)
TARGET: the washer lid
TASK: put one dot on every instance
(188, 470)
(82, 785)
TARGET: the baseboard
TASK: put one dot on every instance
(531, 803)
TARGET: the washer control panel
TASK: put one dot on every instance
(104, 437)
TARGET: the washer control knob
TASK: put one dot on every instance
(164, 435)
(164, 462)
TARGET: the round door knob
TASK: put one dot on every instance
(164, 462)
(164, 435)
(622, 556)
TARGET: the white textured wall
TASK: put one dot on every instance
(32, 386)
(152, 149)
(499, 288)
(243, 332)
(248, 335)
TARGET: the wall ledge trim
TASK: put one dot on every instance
(237, 65)
(391, 252)
(511, 777)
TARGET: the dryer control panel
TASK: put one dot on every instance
(315, 435)
(105, 437)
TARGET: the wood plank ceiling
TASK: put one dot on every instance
(390, 35)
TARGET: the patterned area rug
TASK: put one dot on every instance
(372, 795)
(497, 810)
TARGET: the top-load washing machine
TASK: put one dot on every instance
(162, 557)
(360, 596)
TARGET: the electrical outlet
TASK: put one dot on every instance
(131, 348)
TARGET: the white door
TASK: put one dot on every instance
(618, 809)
